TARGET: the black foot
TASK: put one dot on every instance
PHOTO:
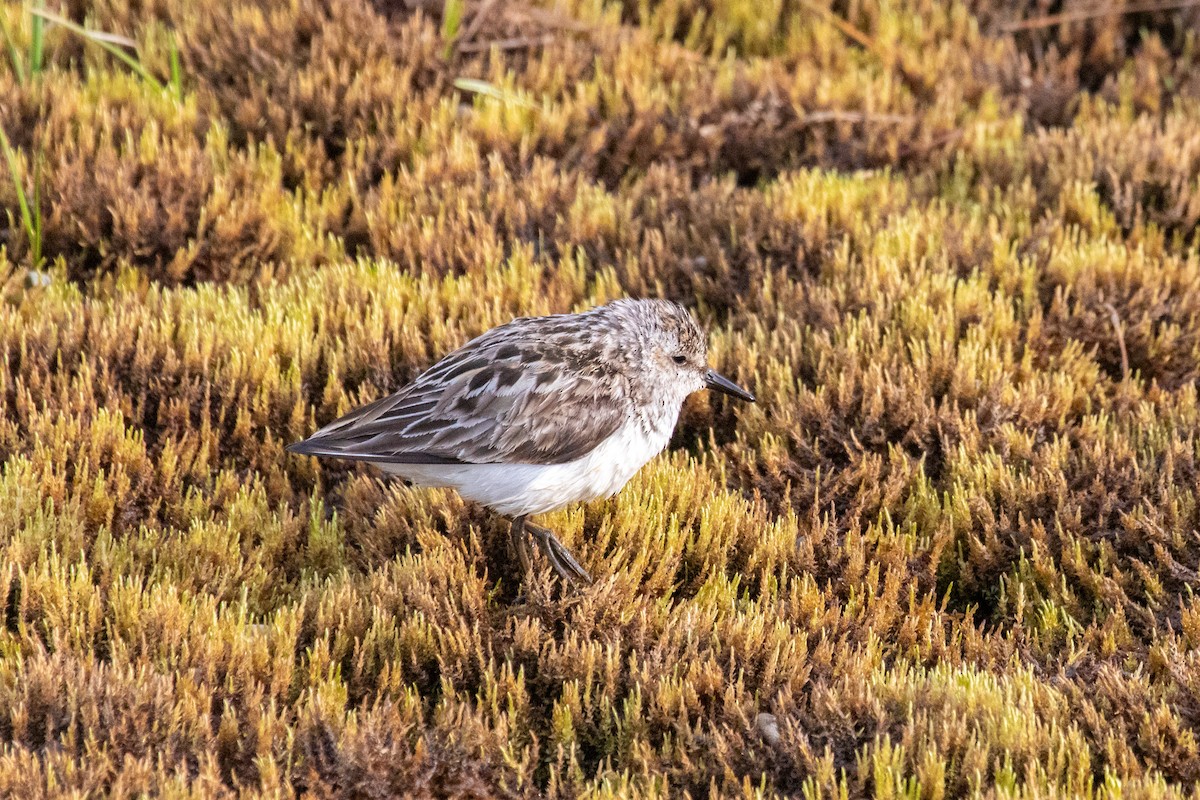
(556, 553)
(559, 556)
(519, 539)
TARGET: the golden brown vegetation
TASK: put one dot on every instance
(952, 550)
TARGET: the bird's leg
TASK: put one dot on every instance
(520, 544)
(559, 556)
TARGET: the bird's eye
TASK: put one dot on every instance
(679, 359)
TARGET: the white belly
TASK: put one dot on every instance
(516, 489)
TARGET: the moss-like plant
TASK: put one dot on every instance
(951, 552)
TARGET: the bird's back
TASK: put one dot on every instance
(539, 390)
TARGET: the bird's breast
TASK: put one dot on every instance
(620, 456)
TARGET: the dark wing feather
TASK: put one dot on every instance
(493, 401)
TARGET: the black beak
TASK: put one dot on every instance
(718, 382)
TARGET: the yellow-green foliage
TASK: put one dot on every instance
(952, 550)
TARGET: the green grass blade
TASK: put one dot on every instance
(13, 54)
(35, 244)
(176, 69)
(452, 12)
(109, 42)
(32, 228)
(36, 43)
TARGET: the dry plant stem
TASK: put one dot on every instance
(506, 44)
(1082, 15)
(821, 117)
(472, 28)
(1119, 329)
(895, 60)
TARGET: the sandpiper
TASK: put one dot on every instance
(538, 414)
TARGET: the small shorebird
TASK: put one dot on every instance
(537, 414)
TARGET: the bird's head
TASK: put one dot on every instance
(676, 348)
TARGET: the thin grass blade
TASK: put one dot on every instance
(486, 89)
(452, 13)
(36, 43)
(36, 241)
(32, 229)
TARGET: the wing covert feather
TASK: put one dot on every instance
(488, 402)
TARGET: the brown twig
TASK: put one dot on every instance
(557, 20)
(895, 61)
(1050, 20)
(819, 117)
(520, 43)
(477, 20)
(849, 31)
(466, 42)
(1120, 331)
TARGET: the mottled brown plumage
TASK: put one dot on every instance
(537, 413)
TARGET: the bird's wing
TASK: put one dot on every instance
(488, 402)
